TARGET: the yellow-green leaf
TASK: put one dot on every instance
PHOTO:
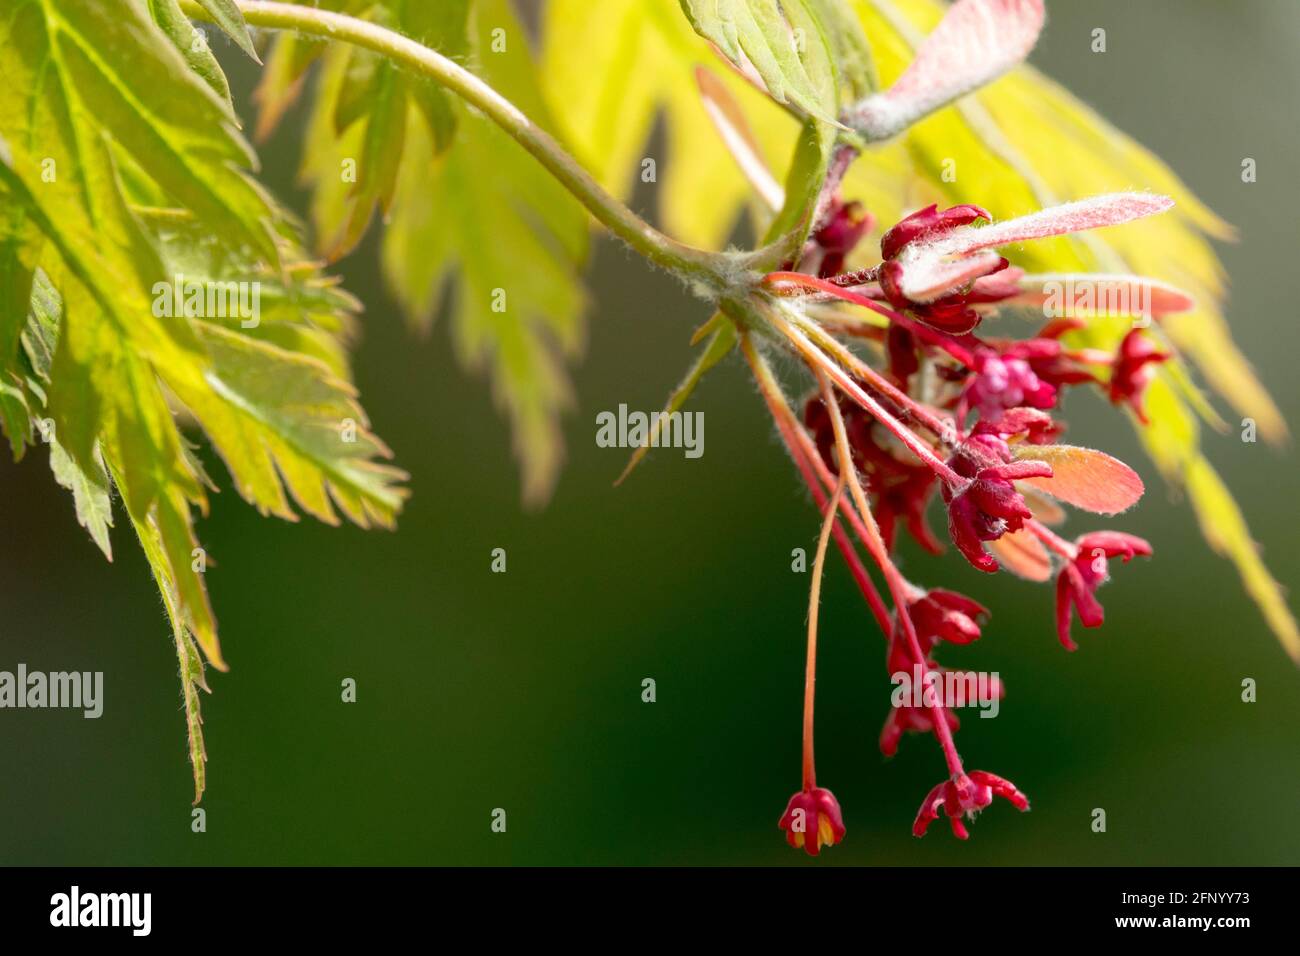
(191, 45)
(720, 344)
(228, 18)
(485, 218)
(778, 42)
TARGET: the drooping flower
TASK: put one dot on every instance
(937, 615)
(1077, 583)
(943, 615)
(966, 794)
(812, 819)
(1133, 369)
(989, 506)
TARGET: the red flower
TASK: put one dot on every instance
(989, 505)
(1048, 356)
(1003, 381)
(844, 229)
(812, 820)
(950, 313)
(937, 615)
(966, 794)
(936, 264)
(928, 223)
(1037, 427)
(1132, 371)
(1050, 360)
(914, 720)
(1078, 581)
(941, 615)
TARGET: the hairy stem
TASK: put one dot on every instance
(1054, 541)
(783, 283)
(811, 468)
(836, 349)
(819, 362)
(712, 268)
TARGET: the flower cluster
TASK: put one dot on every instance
(952, 414)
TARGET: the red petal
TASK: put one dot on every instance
(1063, 612)
(1115, 544)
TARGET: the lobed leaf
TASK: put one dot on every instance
(510, 241)
(191, 45)
(636, 62)
(230, 20)
(779, 43)
(120, 169)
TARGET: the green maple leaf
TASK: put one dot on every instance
(467, 207)
(780, 42)
(636, 65)
(228, 18)
(191, 45)
(121, 168)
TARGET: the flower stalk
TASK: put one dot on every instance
(810, 665)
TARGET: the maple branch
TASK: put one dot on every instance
(715, 269)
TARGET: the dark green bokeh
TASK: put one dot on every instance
(522, 690)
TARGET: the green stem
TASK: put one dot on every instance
(716, 269)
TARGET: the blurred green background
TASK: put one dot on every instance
(522, 690)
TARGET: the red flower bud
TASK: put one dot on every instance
(928, 223)
(1079, 579)
(950, 313)
(941, 615)
(1132, 371)
(1003, 381)
(844, 229)
(989, 506)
